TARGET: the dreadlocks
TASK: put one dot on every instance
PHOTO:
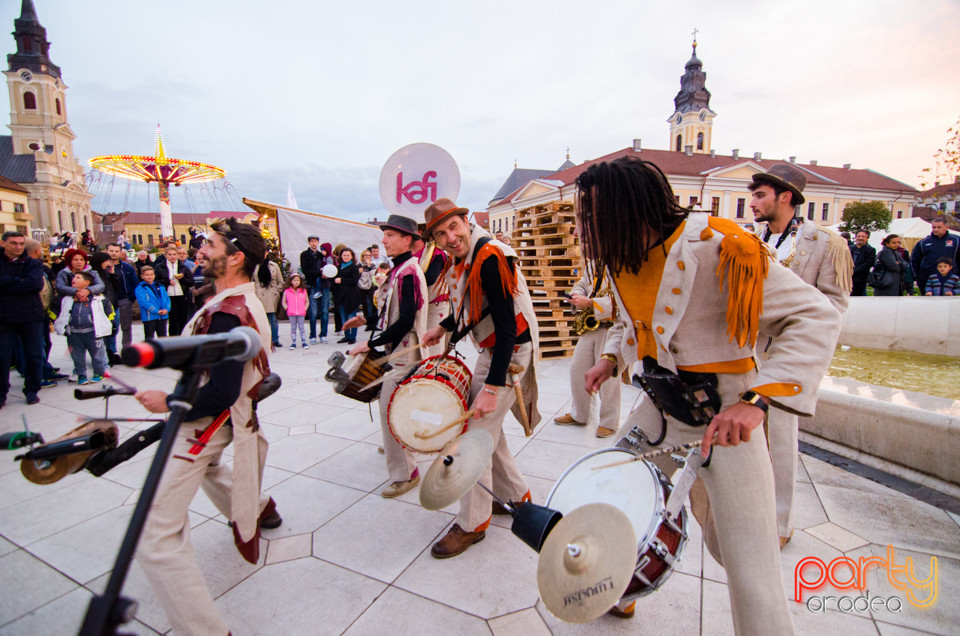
(242, 237)
(625, 207)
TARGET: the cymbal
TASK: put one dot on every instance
(586, 562)
(50, 471)
(443, 484)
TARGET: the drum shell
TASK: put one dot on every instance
(446, 374)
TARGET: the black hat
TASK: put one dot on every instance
(786, 176)
(312, 236)
(401, 224)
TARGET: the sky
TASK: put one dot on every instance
(321, 93)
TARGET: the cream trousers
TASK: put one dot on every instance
(587, 353)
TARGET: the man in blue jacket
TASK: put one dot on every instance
(126, 275)
(21, 315)
(928, 251)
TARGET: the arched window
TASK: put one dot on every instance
(86, 222)
(59, 110)
(29, 101)
(699, 141)
(73, 221)
(679, 142)
(59, 220)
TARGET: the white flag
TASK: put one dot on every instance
(291, 200)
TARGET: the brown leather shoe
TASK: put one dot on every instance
(455, 542)
(603, 431)
(568, 419)
(270, 518)
(623, 613)
(397, 488)
(785, 540)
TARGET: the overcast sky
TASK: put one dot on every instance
(322, 93)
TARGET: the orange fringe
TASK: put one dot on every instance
(744, 263)
(507, 276)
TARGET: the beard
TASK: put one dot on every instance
(215, 268)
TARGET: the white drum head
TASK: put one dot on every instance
(424, 406)
(633, 488)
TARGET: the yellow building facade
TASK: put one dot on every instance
(14, 216)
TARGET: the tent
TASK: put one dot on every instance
(294, 226)
(911, 230)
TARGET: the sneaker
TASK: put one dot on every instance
(314, 340)
(33, 399)
(343, 340)
(338, 333)
(351, 341)
(305, 345)
(96, 378)
(82, 379)
(277, 344)
(293, 346)
(106, 373)
(46, 384)
(317, 295)
(59, 377)
(71, 378)
(323, 340)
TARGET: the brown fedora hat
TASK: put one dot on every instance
(402, 224)
(786, 176)
(438, 211)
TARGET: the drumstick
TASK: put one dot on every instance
(651, 454)
(515, 371)
(383, 378)
(397, 354)
(460, 420)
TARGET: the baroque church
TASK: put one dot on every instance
(38, 154)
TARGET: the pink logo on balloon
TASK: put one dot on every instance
(417, 191)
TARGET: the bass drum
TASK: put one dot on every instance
(434, 394)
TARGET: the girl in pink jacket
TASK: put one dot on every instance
(295, 302)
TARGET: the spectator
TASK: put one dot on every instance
(154, 304)
(87, 242)
(507, 240)
(944, 282)
(76, 261)
(178, 280)
(377, 257)
(123, 241)
(346, 293)
(337, 321)
(864, 257)
(498, 236)
(113, 289)
(908, 272)
(21, 316)
(143, 260)
(928, 252)
(51, 375)
(268, 278)
(85, 322)
(126, 293)
(367, 285)
(889, 268)
(196, 238)
(311, 262)
(295, 302)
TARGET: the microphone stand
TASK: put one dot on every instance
(109, 610)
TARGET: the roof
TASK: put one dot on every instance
(517, 179)
(945, 190)
(701, 165)
(482, 218)
(17, 168)
(7, 184)
(182, 218)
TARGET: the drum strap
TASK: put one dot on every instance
(463, 330)
(689, 397)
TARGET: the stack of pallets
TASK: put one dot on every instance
(550, 261)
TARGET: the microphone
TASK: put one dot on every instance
(180, 352)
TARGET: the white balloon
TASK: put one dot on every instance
(417, 175)
(329, 270)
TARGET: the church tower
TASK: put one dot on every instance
(39, 153)
(691, 124)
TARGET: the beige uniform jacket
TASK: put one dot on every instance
(603, 303)
(822, 259)
(690, 327)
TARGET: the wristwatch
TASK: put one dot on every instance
(755, 399)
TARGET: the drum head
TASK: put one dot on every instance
(424, 405)
(633, 488)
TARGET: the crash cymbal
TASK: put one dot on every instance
(586, 562)
(52, 470)
(456, 469)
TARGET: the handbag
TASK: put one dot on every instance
(877, 274)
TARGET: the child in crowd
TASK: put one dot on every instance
(295, 302)
(154, 304)
(943, 283)
(85, 322)
(383, 270)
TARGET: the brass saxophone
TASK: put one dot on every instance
(585, 320)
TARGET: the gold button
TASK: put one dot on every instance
(803, 252)
(668, 309)
(681, 265)
(660, 330)
(676, 290)
(674, 350)
(631, 342)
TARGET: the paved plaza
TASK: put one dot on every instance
(347, 561)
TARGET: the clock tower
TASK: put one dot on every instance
(691, 124)
(39, 153)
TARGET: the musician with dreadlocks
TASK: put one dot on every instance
(694, 293)
(230, 254)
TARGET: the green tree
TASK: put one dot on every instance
(865, 215)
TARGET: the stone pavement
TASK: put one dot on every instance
(348, 561)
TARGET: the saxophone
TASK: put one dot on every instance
(585, 320)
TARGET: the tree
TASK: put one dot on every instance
(865, 215)
(946, 160)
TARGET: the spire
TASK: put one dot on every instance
(693, 95)
(158, 152)
(33, 50)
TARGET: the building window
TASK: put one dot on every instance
(900, 214)
(715, 206)
(73, 221)
(677, 197)
(679, 142)
(18, 208)
(811, 210)
(825, 214)
(183, 239)
(699, 141)
(59, 220)
(943, 206)
(741, 207)
(693, 201)
(105, 227)
(59, 110)
(150, 240)
(29, 101)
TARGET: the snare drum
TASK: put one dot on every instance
(362, 371)
(640, 490)
(435, 393)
